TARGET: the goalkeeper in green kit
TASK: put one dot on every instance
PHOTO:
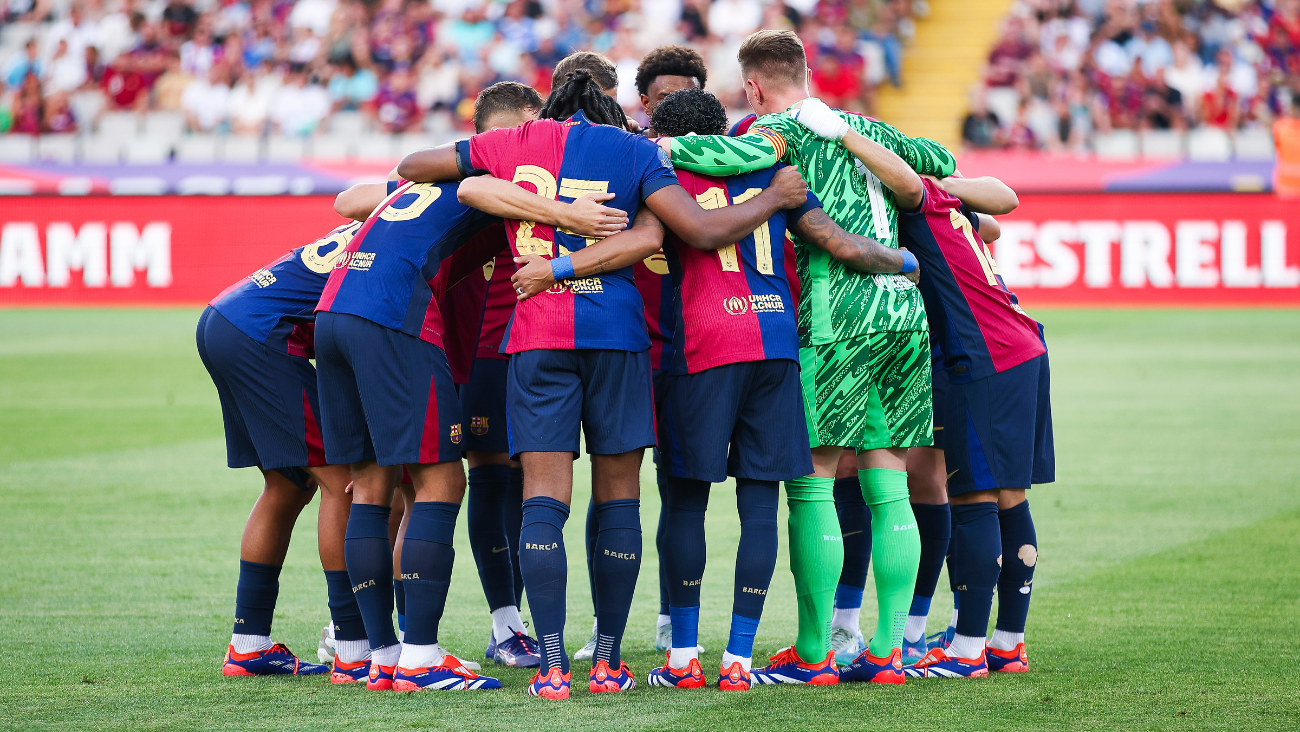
(865, 357)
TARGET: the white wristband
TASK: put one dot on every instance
(821, 119)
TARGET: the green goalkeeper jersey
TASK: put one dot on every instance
(836, 303)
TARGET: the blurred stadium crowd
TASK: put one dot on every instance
(280, 69)
(1163, 77)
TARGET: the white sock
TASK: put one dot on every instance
(386, 656)
(1005, 640)
(249, 643)
(352, 651)
(663, 620)
(846, 618)
(680, 658)
(505, 622)
(953, 624)
(915, 629)
(401, 635)
(413, 656)
(966, 646)
(728, 659)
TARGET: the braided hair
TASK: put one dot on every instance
(581, 93)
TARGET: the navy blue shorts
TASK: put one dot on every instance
(1001, 430)
(939, 387)
(385, 395)
(741, 419)
(483, 405)
(268, 398)
(550, 393)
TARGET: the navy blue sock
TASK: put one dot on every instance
(546, 575)
(848, 596)
(661, 482)
(1019, 556)
(741, 641)
(370, 569)
(685, 500)
(756, 502)
(259, 586)
(590, 530)
(855, 525)
(399, 602)
(427, 559)
(618, 562)
(344, 612)
(952, 580)
(513, 516)
(488, 486)
(977, 542)
(934, 524)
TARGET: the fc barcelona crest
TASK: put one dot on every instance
(455, 434)
(478, 425)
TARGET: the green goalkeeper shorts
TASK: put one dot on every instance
(869, 392)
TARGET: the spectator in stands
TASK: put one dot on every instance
(250, 101)
(178, 19)
(1220, 106)
(58, 117)
(76, 30)
(65, 72)
(200, 52)
(171, 86)
(349, 87)
(1186, 75)
(981, 128)
(1020, 136)
(25, 63)
(1009, 54)
(734, 19)
(206, 101)
(396, 108)
(29, 107)
(124, 85)
(6, 108)
(300, 104)
(94, 69)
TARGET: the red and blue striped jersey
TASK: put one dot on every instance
(656, 289)
(388, 271)
(276, 304)
(734, 304)
(472, 305)
(974, 319)
(564, 161)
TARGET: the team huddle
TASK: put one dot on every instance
(806, 298)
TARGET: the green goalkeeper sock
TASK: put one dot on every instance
(816, 558)
(895, 554)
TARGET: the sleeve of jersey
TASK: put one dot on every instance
(656, 172)
(487, 152)
(393, 184)
(809, 204)
(722, 156)
(924, 155)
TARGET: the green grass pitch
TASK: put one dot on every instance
(1168, 588)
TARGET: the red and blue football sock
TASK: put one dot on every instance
(545, 567)
(370, 570)
(976, 540)
(616, 567)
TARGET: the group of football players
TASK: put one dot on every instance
(805, 299)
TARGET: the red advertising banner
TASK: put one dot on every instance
(1103, 249)
(146, 250)
(1152, 249)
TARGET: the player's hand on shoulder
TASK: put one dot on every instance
(587, 217)
(820, 119)
(532, 277)
(790, 187)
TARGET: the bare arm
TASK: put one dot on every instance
(436, 164)
(719, 227)
(585, 216)
(989, 230)
(621, 250)
(852, 250)
(359, 201)
(983, 195)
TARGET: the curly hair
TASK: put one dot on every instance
(670, 61)
(689, 110)
(581, 92)
(503, 96)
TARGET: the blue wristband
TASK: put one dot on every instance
(909, 262)
(562, 267)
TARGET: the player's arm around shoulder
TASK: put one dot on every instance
(585, 216)
(537, 274)
(922, 154)
(885, 164)
(360, 200)
(716, 228)
(854, 251)
(721, 155)
(986, 195)
(440, 164)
